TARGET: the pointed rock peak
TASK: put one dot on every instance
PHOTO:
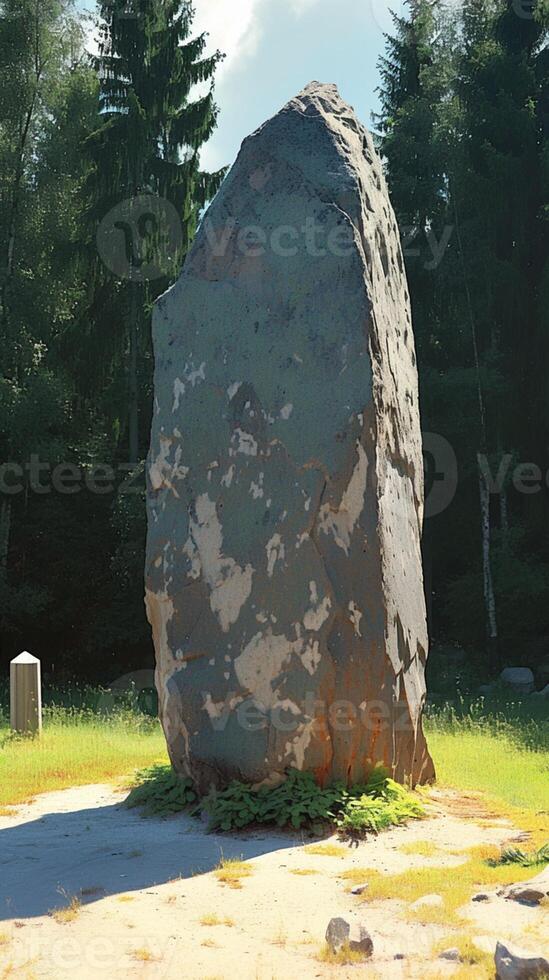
(320, 98)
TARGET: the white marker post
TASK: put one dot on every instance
(25, 694)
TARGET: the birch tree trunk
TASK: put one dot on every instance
(5, 530)
(489, 597)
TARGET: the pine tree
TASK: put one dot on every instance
(148, 144)
(35, 45)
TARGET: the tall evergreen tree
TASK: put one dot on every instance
(149, 143)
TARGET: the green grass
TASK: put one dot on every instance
(78, 745)
(501, 751)
(495, 766)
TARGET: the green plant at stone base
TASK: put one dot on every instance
(297, 802)
(374, 810)
(526, 859)
(161, 791)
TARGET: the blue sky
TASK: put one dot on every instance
(275, 47)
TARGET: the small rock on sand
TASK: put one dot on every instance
(532, 891)
(340, 932)
(450, 954)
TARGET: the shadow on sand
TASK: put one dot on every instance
(107, 850)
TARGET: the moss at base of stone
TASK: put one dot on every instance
(297, 802)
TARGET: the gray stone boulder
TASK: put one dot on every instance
(542, 672)
(521, 678)
(515, 964)
(341, 933)
(533, 891)
(285, 475)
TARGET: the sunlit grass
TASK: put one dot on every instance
(499, 748)
(513, 779)
(75, 748)
(230, 871)
(469, 952)
(498, 766)
(143, 955)
(327, 850)
(423, 848)
(67, 913)
(456, 886)
(343, 957)
(211, 919)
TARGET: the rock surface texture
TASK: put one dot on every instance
(284, 582)
(514, 964)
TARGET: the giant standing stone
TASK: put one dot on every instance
(284, 582)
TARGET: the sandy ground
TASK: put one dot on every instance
(145, 884)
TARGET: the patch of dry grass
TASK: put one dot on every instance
(143, 955)
(327, 850)
(280, 937)
(423, 848)
(22, 971)
(67, 913)
(344, 956)
(125, 898)
(465, 971)
(304, 871)
(470, 953)
(211, 919)
(230, 871)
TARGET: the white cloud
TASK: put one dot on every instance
(233, 28)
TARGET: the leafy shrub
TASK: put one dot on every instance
(383, 805)
(161, 791)
(297, 802)
(514, 855)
